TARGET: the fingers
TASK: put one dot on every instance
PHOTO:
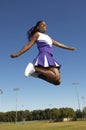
(73, 48)
(13, 55)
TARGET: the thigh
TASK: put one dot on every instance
(49, 70)
(55, 70)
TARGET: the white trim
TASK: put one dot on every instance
(45, 61)
(36, 63)
(56, 64)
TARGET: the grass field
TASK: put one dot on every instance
(75, 125)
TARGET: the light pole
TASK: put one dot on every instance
(75, 84)
(16, 90)
(83, 101)
(1, 92)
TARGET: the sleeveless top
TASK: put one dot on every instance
(44, 43)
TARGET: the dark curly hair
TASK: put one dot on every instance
(33, 30)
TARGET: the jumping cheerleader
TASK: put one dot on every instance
(44, 66)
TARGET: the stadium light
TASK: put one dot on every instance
(16, 90)
(1, 92)
(75, 84)
(83, 101)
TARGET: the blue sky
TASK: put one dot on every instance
(66, 21)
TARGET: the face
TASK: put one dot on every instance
(42, 27)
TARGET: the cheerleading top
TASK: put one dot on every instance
(45, 56)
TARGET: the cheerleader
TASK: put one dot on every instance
(44, 66)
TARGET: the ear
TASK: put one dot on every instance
(37, 27)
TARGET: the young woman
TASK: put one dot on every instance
(43, 66)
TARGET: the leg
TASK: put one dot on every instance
(50, 74)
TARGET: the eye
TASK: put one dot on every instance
(43, 25)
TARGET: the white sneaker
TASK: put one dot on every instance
(29, 70)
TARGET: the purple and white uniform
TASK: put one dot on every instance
(45, 56)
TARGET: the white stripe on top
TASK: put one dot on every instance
(45, 37)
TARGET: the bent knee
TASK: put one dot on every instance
(57, 82)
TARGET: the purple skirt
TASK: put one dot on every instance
(45, 59)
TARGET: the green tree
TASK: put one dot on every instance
(27, 115)
(55, 114)
(84, 112)
(78, 114)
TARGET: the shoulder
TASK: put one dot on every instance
(39, 35)
(35, 36)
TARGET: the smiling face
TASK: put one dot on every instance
(42, 27)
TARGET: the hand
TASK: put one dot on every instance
(72, 48)
(13, 55)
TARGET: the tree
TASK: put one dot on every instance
(78, 114)
(55, 114)
(27, 115)
(84, 112)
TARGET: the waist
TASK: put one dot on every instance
(46, 49)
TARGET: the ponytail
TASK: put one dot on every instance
(33, 30)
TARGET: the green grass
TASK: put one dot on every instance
(75, 125)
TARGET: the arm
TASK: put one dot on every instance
(62, 45)
(26, 47)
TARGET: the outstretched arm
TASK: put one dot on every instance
(62, 45)
(26, 47)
